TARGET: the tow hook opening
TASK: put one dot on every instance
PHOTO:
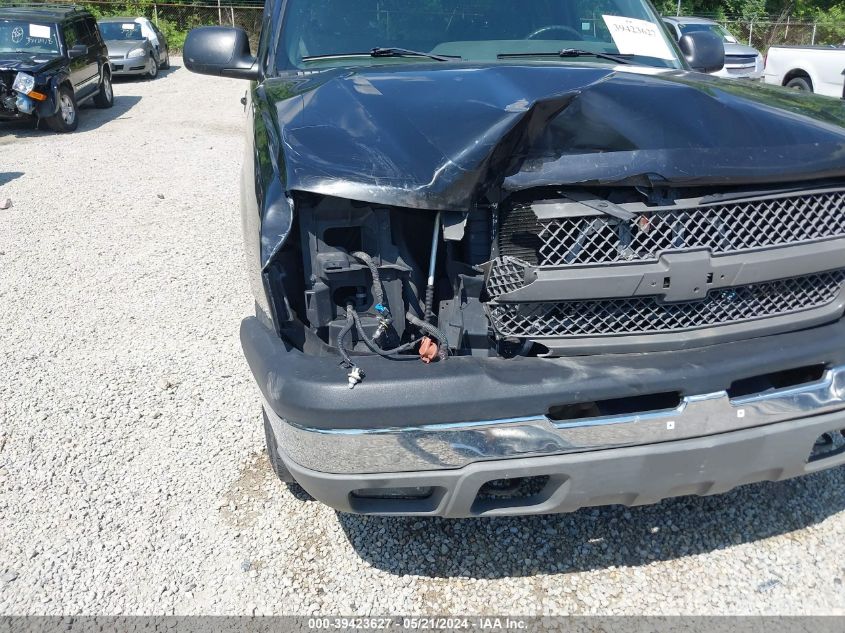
(827, 445)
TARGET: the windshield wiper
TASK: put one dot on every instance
(380, 51)
(571, 52)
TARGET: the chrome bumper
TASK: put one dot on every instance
(455, 445)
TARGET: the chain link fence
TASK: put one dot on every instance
(761, 34)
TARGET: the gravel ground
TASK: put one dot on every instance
(133, 478)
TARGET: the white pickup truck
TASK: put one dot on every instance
(816, 69)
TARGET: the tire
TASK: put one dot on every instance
(276, 463)
(801, 84)
(67, 118)
(152, 72)
(105, 98)
(166, 63)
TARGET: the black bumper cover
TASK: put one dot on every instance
(312, 391)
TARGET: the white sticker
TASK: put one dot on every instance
(586, 26)
(40, 31)
(128, 27)
(637, 37)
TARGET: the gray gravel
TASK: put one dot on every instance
(133, 478)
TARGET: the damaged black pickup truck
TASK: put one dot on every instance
(515, 258)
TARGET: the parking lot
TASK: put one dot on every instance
(133, 477)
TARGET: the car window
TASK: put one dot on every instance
(121, 31)
(28, 37)
(263, 52)
(716, 29)
(71, 37)
(471, 29)
(83, 35)
(93, 33)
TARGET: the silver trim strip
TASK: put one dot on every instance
(454, 445)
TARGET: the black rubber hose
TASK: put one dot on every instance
(378, 293)
(347, 328)
(430, 329)
(387, 353)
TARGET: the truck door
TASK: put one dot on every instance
(84, 70)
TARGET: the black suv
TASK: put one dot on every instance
(52, 58)
(519, 258)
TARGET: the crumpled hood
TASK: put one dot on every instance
(435, 136)
(24, 63)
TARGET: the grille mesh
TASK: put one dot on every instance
(648, 315)
(723, 228)
(507, 275)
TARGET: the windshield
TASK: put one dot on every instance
(471, 30)
(120, 31)
(22, 36)
(716, 29)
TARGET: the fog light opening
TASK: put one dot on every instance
(516, 492)
(829, 444)
(516, 488)
(397, 500)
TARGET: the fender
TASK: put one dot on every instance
(803, 67)
(50, 106)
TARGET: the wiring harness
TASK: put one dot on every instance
(353, 320)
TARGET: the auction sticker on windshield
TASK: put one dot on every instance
(637, 37)
(39, 31)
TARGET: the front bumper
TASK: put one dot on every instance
(459, 444)
(125, 67)
(636, 475)
(455, 426)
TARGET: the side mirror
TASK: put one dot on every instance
(704, 51)
(80, 50)
(222, 51)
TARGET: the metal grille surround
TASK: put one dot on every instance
(648, 315)
(723, 228)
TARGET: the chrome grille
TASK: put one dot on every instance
(748, 60)
(507, 275)
(723, 228)
(649, 315)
